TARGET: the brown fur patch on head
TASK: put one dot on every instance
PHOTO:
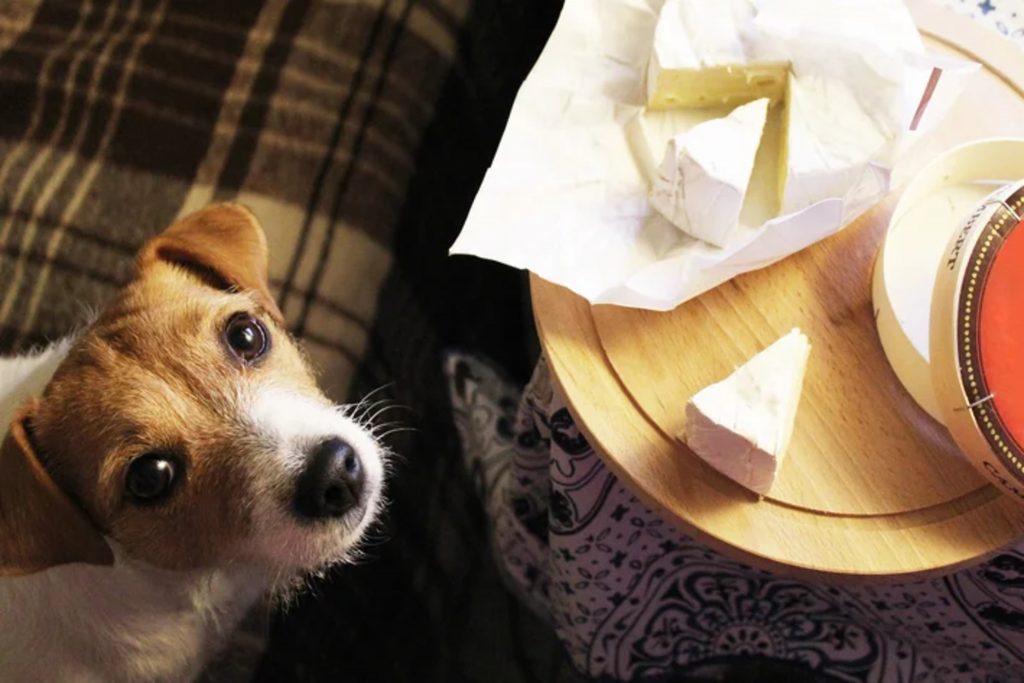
(224, 246)
(40, 526)
(155, 375)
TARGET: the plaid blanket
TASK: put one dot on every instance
(116, 117)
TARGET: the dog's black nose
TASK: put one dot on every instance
(332, 482)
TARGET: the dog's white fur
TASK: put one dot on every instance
(293, 423)
(134, 622)
(22, 377)
(127, 622)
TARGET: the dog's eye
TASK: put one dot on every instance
(151, 477)
(246, 337)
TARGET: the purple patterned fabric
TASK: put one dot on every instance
(631, 597)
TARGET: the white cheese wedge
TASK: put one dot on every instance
(742, 425)
(699, 59)
(704, 176)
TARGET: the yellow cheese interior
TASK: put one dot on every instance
(720, 85)
(731, 86)
(786, 107)
(762, 200)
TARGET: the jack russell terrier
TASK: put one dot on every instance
(165, 469)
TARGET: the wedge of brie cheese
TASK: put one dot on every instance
(704, 176)
(699, 58)
(742, 425)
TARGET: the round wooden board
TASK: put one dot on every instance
(872, 486)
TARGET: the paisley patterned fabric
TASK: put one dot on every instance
(632, 598)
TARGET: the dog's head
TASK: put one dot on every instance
(186, 426)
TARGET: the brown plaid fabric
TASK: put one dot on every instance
(117, 117)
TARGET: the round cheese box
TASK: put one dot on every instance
(949, 295)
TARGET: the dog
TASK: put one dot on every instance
(168, 467)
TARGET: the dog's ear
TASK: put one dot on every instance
(40, 526)
(224, 245)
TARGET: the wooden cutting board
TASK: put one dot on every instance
(872, 486)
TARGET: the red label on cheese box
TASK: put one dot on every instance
(991, 332)
(1001, 332)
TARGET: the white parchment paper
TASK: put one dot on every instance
(566, 194)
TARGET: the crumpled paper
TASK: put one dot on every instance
(566, 194)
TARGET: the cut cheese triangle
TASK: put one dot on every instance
(742, 425)
(704, 176)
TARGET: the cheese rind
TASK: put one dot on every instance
(742, 425)
(831, 141)
(704, 176)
